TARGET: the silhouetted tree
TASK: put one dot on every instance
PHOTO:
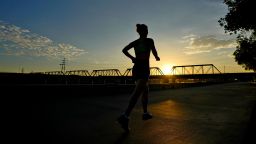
(241, 20)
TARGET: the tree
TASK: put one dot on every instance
(240, 20)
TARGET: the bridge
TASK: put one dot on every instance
(199, 72)
(180, 74)
(154, 71)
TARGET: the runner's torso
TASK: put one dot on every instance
(142, 49)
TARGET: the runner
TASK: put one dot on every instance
(140, 72)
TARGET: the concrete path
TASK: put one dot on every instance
(216, 114)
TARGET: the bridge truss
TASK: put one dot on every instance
(180, 74)
(55, 73)
(195, 69)
(154, 71)
(78, 72)
(106, 72)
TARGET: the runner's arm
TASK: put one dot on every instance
(125, 51)
(155, 52)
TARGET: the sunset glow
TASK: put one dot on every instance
(167, 69)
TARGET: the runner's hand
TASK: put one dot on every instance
(133, 60)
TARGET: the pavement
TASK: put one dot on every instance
(215, 114)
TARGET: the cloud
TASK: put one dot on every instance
(17, 41)
(196, 44)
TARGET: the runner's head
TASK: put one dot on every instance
(142, 29)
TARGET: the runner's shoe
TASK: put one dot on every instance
(124, 121)
(147, 116)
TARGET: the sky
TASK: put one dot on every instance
(35, 35)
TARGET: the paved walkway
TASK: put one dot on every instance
(216, 114)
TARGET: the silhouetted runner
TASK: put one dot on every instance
(142, 47)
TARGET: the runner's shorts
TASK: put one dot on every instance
(141, 70)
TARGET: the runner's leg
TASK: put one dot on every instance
(144, 99)
(140, 87)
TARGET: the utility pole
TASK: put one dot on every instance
(63, 65)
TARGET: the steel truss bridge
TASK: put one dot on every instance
(180, 74)
(184, 73)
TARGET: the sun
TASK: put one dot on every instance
(167, 69)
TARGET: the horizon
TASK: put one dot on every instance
(36, 35)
